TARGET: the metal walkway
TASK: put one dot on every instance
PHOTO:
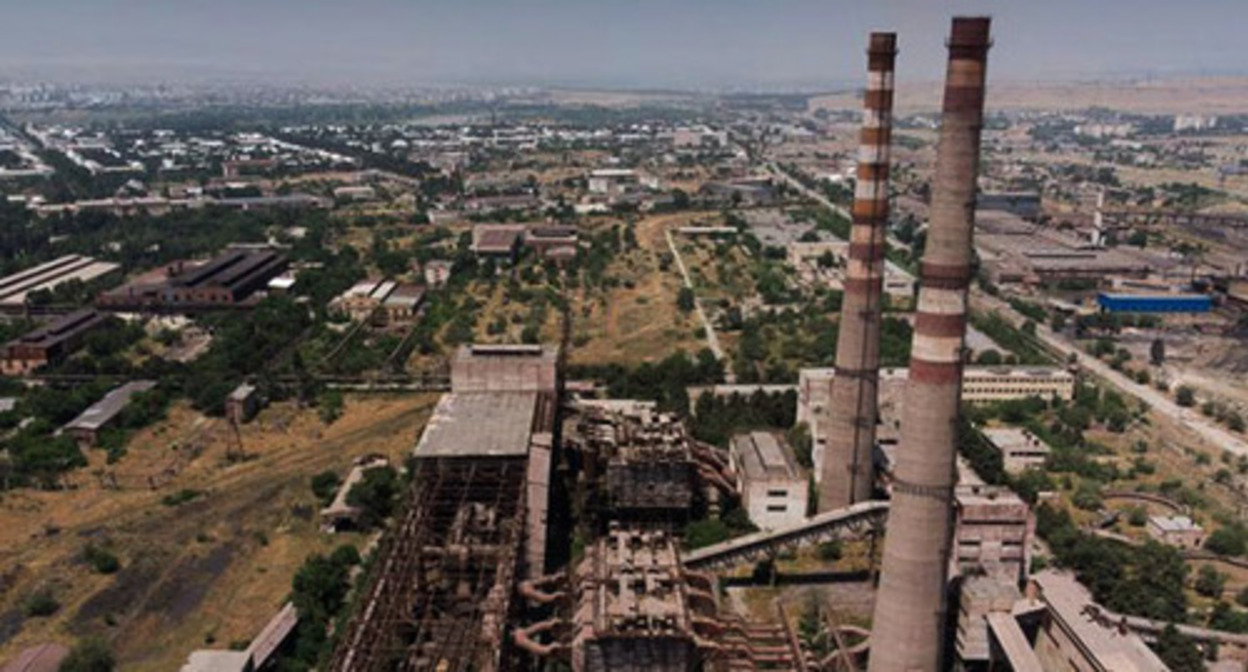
(836, 524)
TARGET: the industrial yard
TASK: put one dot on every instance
(897, 377)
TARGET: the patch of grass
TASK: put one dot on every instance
(181, 497)
(41, 604)
(101, 560)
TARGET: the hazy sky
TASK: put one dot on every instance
(631, 43)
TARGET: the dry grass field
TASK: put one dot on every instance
(638, 323)
(208, 572)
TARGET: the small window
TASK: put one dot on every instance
(776, 508)
(777, 493)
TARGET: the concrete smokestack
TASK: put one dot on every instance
(909, 625)
(849, 431)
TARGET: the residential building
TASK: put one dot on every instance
(437, 273)
(774, 490)
(1179, 531)
(362, 299)
(402, 306)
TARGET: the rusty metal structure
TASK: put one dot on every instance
(630, 604)
(474, 522)
(910, 606)
(652, 470)
(441, 595)
(846, 475)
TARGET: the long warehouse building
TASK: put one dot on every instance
(15, 288)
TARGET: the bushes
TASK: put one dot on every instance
(1210, 582)
(1185, 396)
(89, 655)
(101, 559)
(40, 604)
(319, 592)
(1145, 581)
(181, 497)
(325, 486)
(707, 532)
(374, 495)
(1228, 540)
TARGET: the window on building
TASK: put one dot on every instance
(777, 493)
(776, 508)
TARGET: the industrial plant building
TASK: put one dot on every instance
(630, 604)
(475, 522)
(87, 426)
(228, 281)
(774, 490)
(16, 288)
(51, 343)
(1020, 449)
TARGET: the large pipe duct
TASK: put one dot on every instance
(909, 624)
(849, 432)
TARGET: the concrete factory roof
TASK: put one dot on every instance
(14, 288)
(104, 410)
(1068, 603)
(764, 456)
(492, 424)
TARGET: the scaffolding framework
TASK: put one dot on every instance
(440, 597)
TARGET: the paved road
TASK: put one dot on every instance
(712, 339)
(1187, 417)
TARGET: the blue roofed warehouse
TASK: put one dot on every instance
(1154, 303)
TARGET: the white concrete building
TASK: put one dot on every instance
(774, 490)
(1019, 448)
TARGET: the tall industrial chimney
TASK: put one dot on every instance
(849, 430)
(909, 625)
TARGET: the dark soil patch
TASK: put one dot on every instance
(10, 624)
(184, 587)
(132, 582)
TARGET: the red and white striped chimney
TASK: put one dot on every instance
(848, 431)
(910, 606)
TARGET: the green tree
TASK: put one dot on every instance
(325, 486)
(1209, 582)
(1157, 352)
(375, 495)
(1185, 396)
(89, 655)
(685, 300)
(330, 406)
(1178, 651)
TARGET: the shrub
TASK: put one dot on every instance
(101, 559)
(1210, 582)
(375, 495)
(180, 497)
(89, 655)
(830, 551)
(1185, 396)
(40, 604)
(325, 485)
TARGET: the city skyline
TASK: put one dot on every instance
(792, 44)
